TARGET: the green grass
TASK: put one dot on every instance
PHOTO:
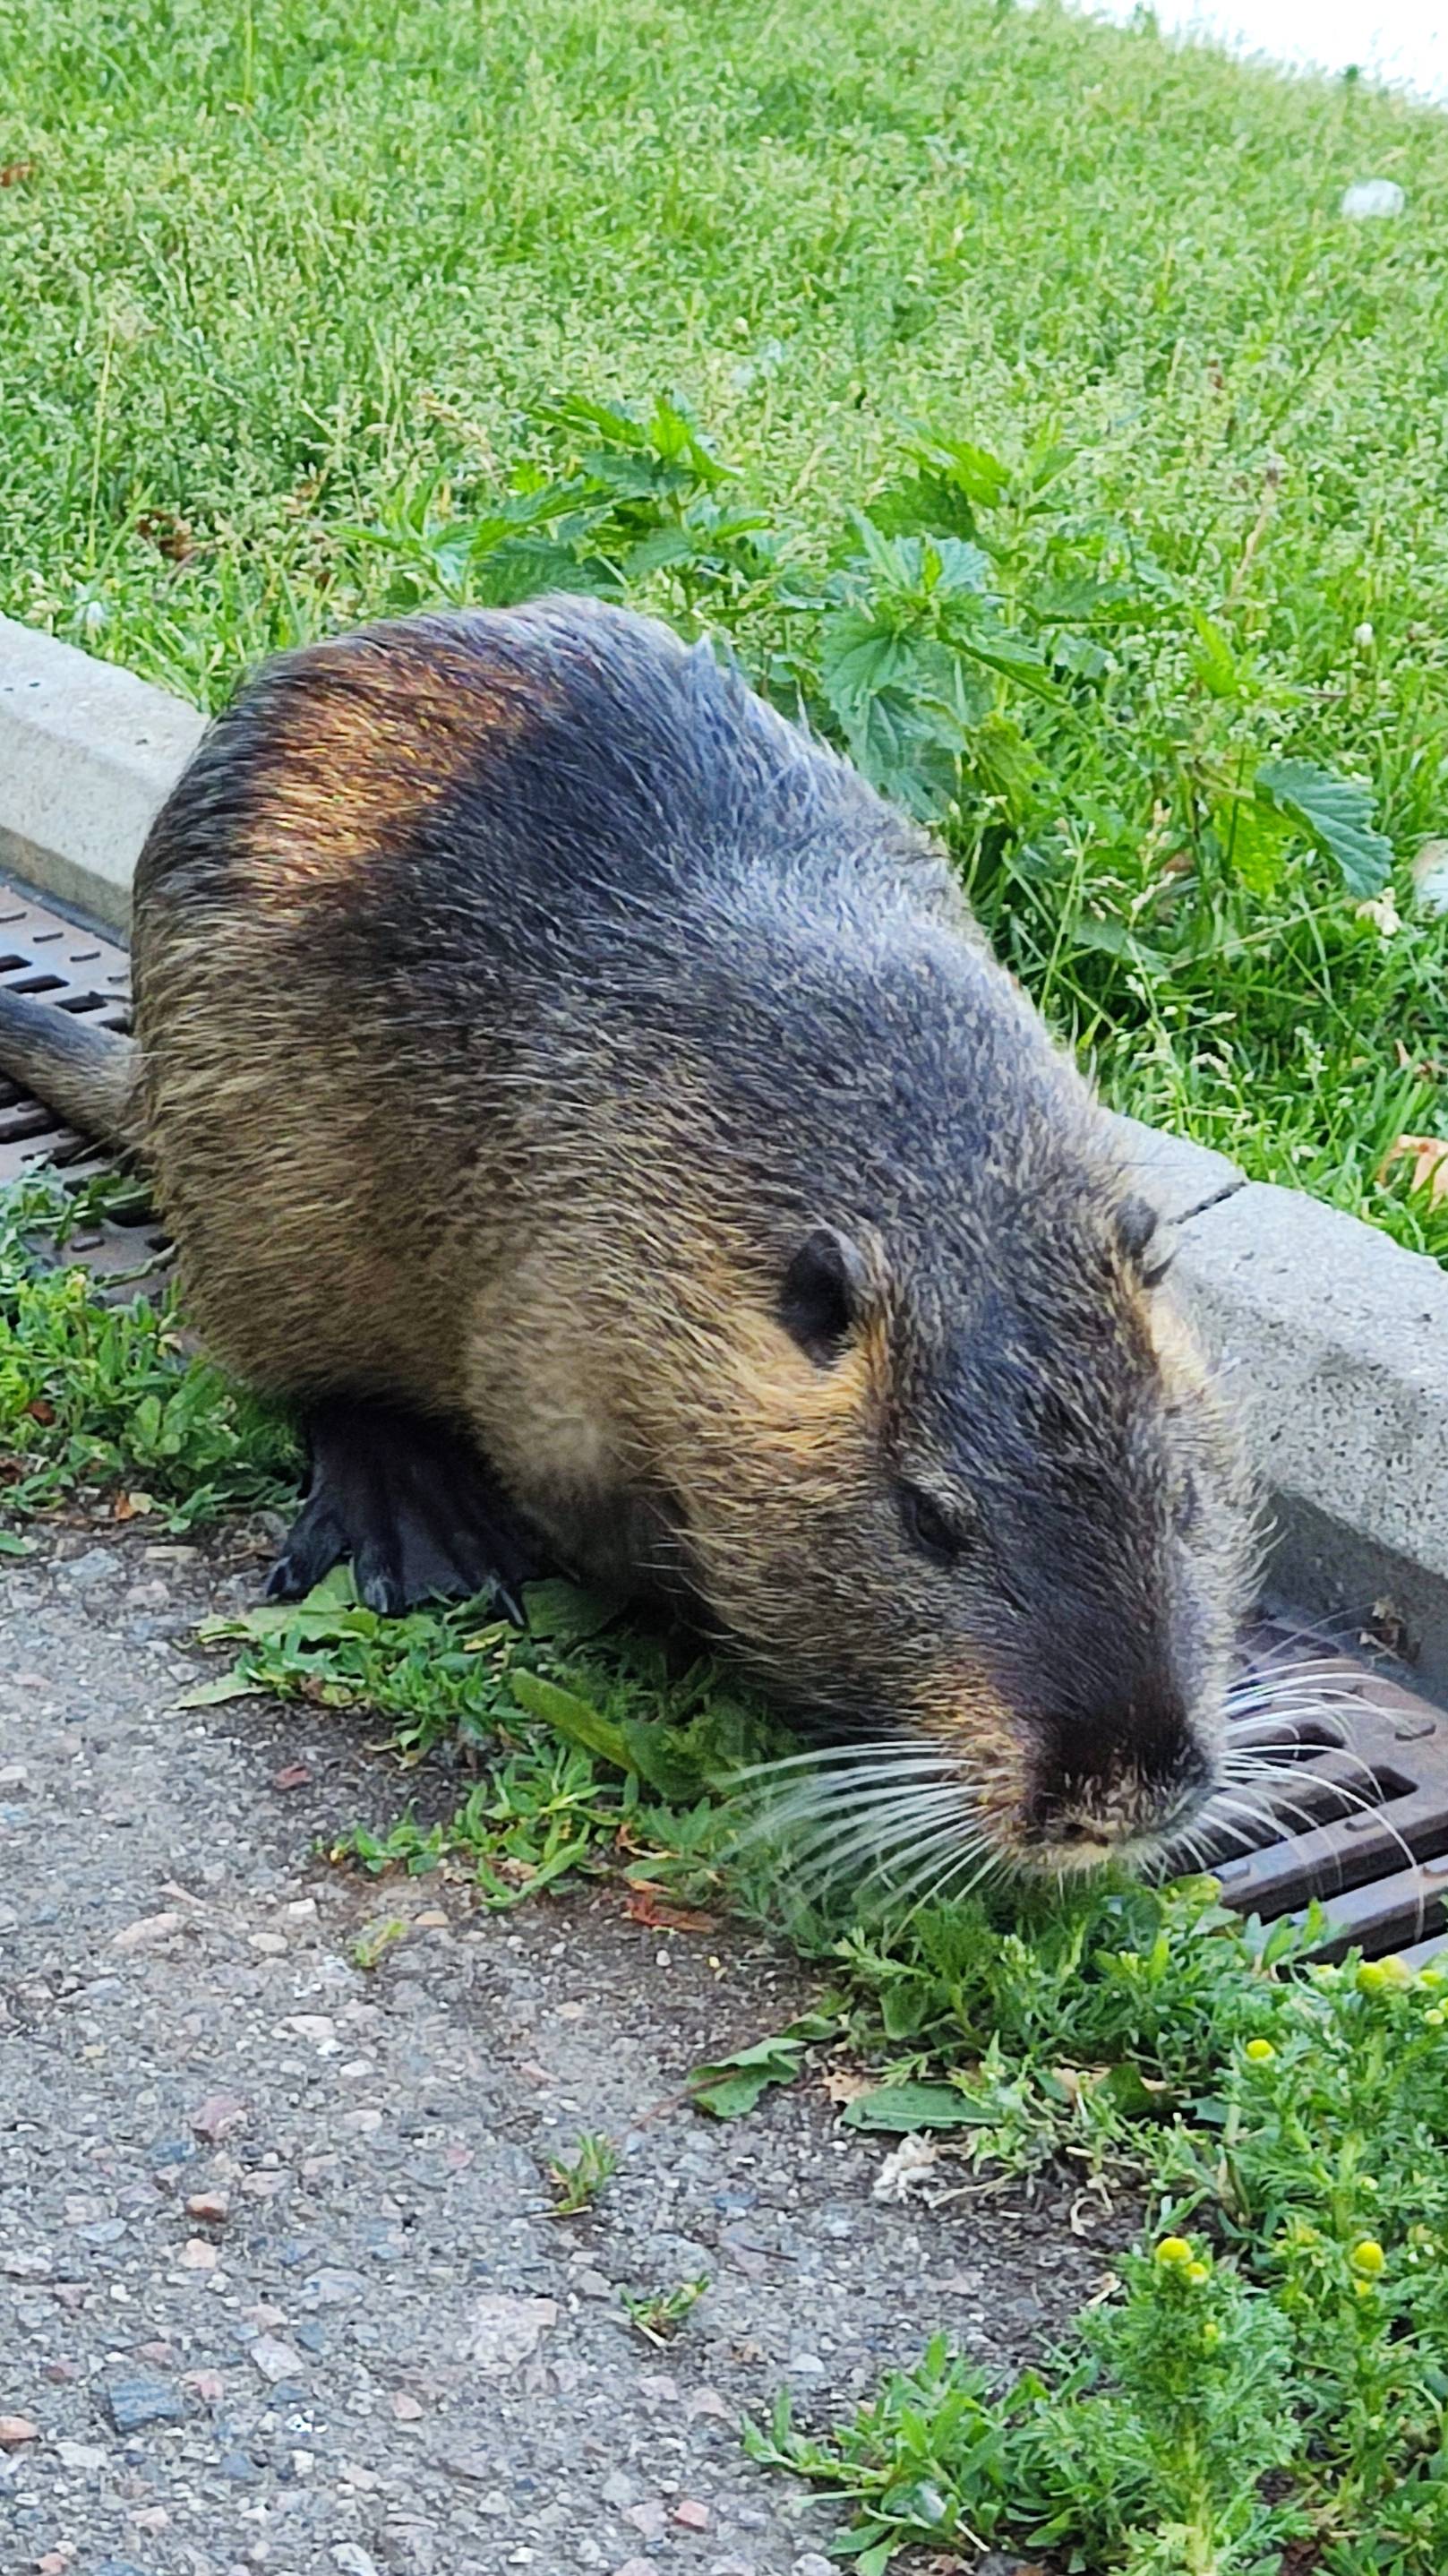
(1264, 2390)
(287, 297)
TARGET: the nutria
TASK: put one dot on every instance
(575, 1089)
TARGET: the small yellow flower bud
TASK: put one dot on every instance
(1367, 2257)
(1173, 2252)
(1198, 2271)
(1260, 2051)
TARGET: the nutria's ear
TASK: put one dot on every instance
(823, 1294)
(1136, 1223)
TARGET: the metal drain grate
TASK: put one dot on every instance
(1362, 1820)
(1360, 1787)
(78, 971)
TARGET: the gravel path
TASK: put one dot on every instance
(279, 2286)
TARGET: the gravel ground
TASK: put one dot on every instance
(279, 2286)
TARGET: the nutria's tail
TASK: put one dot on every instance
(87, 1074)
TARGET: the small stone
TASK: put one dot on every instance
(353, 2559)
(145, 1932)
(205, 2385)
(592, 2284)
(212, 2206)
(55, 2562)
(240, 2467)
(293, 1775)
(333, 2288)
(219, 2116)
(274, 2359)
(271, 1945)
(60, 2370)
(20, 2266)
(691, 2515)
(644, 2567)
(503, 2331)
(80, 2455)
(134, 2403)
(16, 2430)
(93, 1567)
(302, 1910)
(197, 2256)
(102, 2231)
(473, 2467)
(1371, 199)
(813, 2565)
(406, 2409)
(648, 2517)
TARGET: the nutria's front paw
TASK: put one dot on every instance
(412, 1505)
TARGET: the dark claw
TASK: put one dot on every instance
(415, 1508)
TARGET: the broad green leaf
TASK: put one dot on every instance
(1257, 838)
(216, 1693)
(901, 2108)
(733, 2085)
(571, 1717)
(1214, 661)
(859, 655)
(11, 1544)
(973, 470)
(1337, 816)
(566, 1613)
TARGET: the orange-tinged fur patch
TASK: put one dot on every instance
(378, 735)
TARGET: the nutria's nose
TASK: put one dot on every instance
(1117, 1782)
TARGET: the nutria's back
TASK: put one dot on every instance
(539, 1029)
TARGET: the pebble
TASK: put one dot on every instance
(1373, 198)
(813, 2565)
(274, 2359)
(19, 2266)
(473, 2467)
(15, 2430)
(218, 2116)
(93, 1566)
(133, 2403)
(213, 2206)
(406, 2409)
(197, 2256)
(272, 1945)
(240, 2467)
(691, 2515)
(353, 2559)
(504, 2331)
(145, 1931)
(80, 2455)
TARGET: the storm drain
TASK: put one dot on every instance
(1350, 1804)
(80, 972)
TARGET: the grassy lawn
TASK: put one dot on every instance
(289, 299)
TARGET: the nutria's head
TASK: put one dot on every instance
(974, 1509)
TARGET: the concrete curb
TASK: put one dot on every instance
(87, 753)
(1336, 1340)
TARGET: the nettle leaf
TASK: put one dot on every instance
(1336, 814)
(859, 655)
(974, 471)
(1214, 661)
(1257, 837)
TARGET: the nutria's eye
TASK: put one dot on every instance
(928, 1527)
(1186, 1506)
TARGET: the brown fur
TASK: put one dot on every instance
(494, 1063)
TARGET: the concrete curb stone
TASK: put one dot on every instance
(1335, 1338)
(87, 754)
